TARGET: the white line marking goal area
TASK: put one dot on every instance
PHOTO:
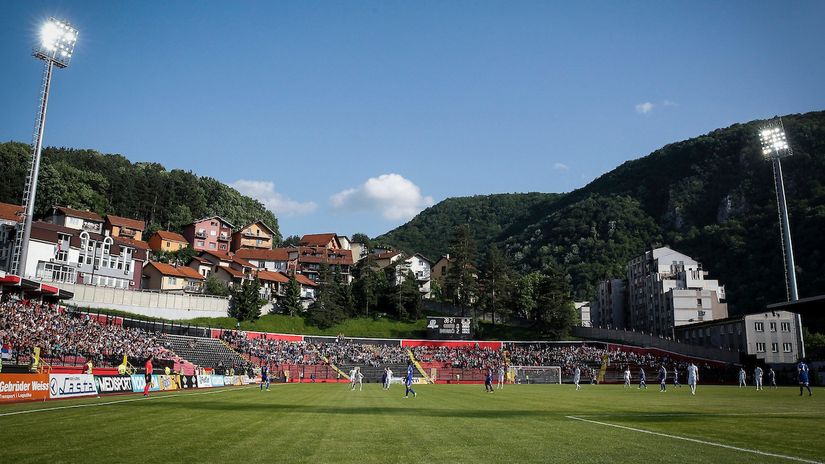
(694, 440)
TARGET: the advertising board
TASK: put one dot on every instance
(23, 387)
(71, 385)
(113, 383)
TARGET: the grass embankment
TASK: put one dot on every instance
(358, 327)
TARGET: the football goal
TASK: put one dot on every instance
(535, 374)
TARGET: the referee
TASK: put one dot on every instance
(148, 375)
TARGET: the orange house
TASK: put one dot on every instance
(163, 240)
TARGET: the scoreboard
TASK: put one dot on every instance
(453, 328)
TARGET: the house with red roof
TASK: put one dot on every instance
(212, 233)
(124, 227)
(168, 278)
(76, 219)
(166, 241)
(255, 235)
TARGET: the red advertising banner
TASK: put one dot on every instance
(23, 387)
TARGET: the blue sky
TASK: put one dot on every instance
(353, 116)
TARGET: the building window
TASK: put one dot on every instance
(759, 326)
(699, 302)
(200, 243)
(62, 256)
(760, 347)
(772, 326)
(787, 348)
(173, 281)
(774, 347)
(168, 244)
(212, 246)
(223, 246)
(786, 326)
(213, 232)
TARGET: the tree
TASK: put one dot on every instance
(215, 287)
(361, 238)
(524, 295)
(554, 311)
(496, 283)
(368, 285)
(409, 297)
(246, 302)
(292, 299)
(325, 311)
(291, 241)
(460, 284)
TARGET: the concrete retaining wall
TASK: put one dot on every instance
(152, 304)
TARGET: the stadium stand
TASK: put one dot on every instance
(205, 352)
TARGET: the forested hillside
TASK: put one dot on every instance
(111, 184)
(711, 197)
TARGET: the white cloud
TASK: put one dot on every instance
(394, 196)
(264, 192)
(560, 167)
(644, 108)
(669, 103)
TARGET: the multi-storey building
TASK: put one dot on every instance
(609, 306)
(770, 336)
(11, 217)
(399, 266)
(328, 240)
(667, 289)
(309, 260)
(212, 234)
(62, 254)
(255, 235)
(76, 219)
(275, 260)
(124, 227)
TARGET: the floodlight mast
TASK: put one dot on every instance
(57, 41)
(775, 147)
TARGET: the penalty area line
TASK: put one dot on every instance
(694, 440)
(108, 403)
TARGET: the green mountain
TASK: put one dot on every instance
(711, 197)
(111, 184)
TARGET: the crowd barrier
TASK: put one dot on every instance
(41, 387)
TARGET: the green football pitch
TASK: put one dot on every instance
(445, 423)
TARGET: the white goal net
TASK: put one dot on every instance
(535, 374)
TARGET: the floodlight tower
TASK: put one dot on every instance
(57, 40)
(775, 147)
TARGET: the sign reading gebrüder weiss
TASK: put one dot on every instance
(71, 385)
(23, 387)
(113, 383)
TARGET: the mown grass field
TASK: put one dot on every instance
(445, 423)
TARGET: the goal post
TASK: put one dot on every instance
(535, 374)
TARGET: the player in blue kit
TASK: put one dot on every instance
(802, 373)
(408, 382)
(642, 379)
(264, 377)
(662, 379)
(488, 380)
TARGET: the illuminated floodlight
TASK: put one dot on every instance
(57, 41)
(774, 142)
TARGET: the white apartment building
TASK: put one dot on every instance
(667, 289)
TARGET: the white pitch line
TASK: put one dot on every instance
(694, 440)
(107, 403)
(693, 414)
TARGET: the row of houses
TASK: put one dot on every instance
(669, 294)
(74, 246)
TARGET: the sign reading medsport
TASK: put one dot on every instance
(114, 383)
(71, 385)
(451, 328)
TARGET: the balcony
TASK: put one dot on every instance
(128, 233)
(224, 238)
(200, 234)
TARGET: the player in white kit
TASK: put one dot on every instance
(353, 374)
(577, 376)
(627, 377)
(501, 377)
(359, 376)
(742, 375)
(693, 377)
(757, 378)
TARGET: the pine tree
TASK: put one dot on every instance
(497, 283)
(460, 285)
(246, 302)
(292, 298)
